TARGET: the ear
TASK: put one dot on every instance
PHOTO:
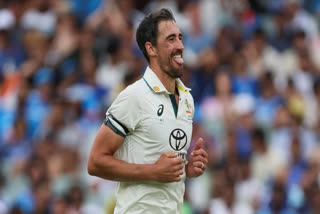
(151, 50)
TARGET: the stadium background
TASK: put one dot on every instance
(253, 66)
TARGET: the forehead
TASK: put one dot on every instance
(166, 28)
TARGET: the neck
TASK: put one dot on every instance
(168, 82)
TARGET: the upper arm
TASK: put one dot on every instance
(124, 114)
(121, 118)
(107, 142)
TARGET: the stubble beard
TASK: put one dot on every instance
(169, 69)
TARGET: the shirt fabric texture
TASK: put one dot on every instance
(146, 115)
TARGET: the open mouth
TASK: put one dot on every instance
(178, 59)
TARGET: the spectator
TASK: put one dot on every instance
(253, 67)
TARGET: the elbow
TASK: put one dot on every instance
(97, 166)
(91, 168)
(91, 171)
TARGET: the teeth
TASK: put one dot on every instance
(178, 59)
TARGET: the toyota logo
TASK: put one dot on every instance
(178, 139)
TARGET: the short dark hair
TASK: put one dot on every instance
(148, 28)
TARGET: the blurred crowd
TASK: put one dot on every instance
(254, 70)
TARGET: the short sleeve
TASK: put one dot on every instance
(123, 115)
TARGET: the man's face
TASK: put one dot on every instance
(169, 49)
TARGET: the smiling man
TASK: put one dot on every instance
(145, 137)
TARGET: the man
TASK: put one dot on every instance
(144, 140)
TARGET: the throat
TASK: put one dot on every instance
(176, 96)
(175, 101)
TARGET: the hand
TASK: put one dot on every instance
(168, 168)
(198, 160)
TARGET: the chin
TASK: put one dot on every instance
(178, 73)
(174, 71)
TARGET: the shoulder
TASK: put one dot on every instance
(136, 89)
(134, 92)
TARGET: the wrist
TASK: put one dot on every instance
(188, 171)
(149, 172)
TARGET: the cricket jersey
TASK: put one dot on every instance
(150, 121)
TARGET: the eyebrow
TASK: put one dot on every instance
(173, 35)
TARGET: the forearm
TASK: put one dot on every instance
(102, 163)
(111, 168)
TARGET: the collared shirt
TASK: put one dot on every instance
(146, 114)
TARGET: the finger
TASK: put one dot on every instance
(201, 152)
(177, 179)
(200, 159)
(177, 161)
(198, 154)
(171, 154)
(178, 167)
(198, 164)
(200, 168)
(198, 144)
(198, 171)
(178, 173)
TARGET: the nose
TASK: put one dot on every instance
(180, 45)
